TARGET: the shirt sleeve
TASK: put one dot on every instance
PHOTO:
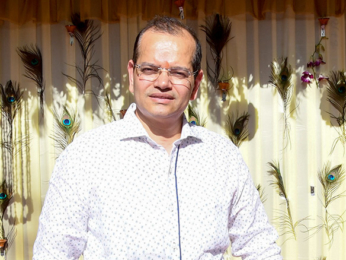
(251, 235)
(62, 232)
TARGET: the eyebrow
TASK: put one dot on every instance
(154, 65)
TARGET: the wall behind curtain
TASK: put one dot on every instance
(256, 43)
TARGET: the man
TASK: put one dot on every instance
(152, 186)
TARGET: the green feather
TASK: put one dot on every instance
(336, 90)
(67, 126)
(193, 114)
(237, 130)
(218, 30)
(330, 186)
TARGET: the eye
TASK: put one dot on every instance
(179, 73)
(149, 70)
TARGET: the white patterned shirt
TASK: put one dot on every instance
(116, 194)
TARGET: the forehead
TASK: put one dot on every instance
(165, 49)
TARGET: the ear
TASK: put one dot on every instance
(130, 70)
(197, 83)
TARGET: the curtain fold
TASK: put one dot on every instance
(54, 11)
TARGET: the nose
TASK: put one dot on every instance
(162, 80)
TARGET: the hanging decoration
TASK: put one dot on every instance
(218, 31)
(336, 90)
(285, 221)
(193, 116)
(11, 100)
(86, 34)
(180, 5)
(32, 59)
(237, 128)
(316, 59)
(70, 29)
(323, 24)
(281, 75)
(224, 85)
(67, 127)
(331, 179)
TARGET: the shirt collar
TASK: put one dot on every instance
(135, 128)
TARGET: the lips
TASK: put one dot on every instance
(162, 96)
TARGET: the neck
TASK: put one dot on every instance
(163, 132)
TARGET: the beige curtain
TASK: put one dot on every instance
(54, 11)
(291, 32)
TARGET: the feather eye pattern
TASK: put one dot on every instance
(218, 30)
(193, 116)
(284, 221)
(86, 34)
(237, 130)
(336, 90)
(6, 238)
(67, 126)
(281, 75)
(331, 180)
(32, 58)
(11, 97)
(261, 193)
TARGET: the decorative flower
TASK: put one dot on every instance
(318, 62)
(323, 21)
(310, 64)
(307, 77)
(180, 5)
(70, 29)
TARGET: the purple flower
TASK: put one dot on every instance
(321, 77)
(307, 76)
(318, 62)
(310, 64)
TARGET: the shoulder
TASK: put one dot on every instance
(209, 137)
(101, 139)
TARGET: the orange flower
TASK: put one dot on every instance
(179, 3)
(323, 21)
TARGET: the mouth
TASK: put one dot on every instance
(162, 96)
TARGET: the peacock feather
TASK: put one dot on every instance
(218, 30)
(193, 116)
(11, 97)
(331, 180)
(5, 198)
(281, 75)
(284, 221)
(336, 90)
(32, 59)
(86, 34)
(237, 130)
(108, 101)
(67, 126)
(261, 193)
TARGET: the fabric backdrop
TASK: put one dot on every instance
(291, 32)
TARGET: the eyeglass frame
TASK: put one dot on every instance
(138, 66)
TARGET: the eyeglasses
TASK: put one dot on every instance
(177, 75)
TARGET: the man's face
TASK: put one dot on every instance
(160, 99)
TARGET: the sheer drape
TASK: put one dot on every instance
(53, 11)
